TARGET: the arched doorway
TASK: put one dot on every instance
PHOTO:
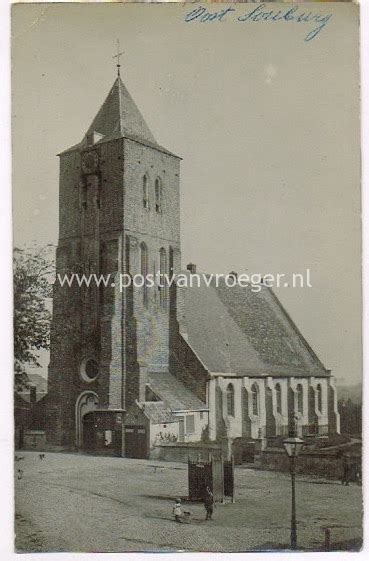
(85, 404)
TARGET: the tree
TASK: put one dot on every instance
(32, 288)
(351, 416)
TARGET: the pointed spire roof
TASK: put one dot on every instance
(119, 115)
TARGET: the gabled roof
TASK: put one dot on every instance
(248, 333)
(119, 117)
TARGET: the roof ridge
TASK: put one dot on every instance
(120, 83)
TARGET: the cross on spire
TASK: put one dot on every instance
(117, 56)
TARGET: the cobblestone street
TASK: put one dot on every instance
(81, 503)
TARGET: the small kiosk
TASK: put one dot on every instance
(216, 473)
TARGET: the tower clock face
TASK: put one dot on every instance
(90, 161)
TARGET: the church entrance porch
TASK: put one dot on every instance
(98, 431)
(102, 432)
(108, 432)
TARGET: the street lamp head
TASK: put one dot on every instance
(293, 446)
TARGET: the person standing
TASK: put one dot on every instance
(346, 470)
(177, 511)
(209, 504)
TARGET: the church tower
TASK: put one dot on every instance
(119, 217)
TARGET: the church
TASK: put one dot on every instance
(135, 367)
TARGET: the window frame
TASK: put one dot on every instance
(255, 399)
(230, 400)
(278, 397)
(300, 399)
(192, 417)
(319, 392)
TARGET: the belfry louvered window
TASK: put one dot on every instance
(158, 195)
(145, 193)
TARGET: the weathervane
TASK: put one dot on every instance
(117, 56)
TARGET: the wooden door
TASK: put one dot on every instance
(135, 441)
(89, 432)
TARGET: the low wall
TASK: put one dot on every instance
(34, 440)
(180, 451)
(320, 464)
(244, 450)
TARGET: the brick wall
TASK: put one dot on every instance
(141, 160)
(147, 327)
(180, 452)
(91, 214)
(98, 212)
(319, 464)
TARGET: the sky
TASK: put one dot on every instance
(267, 124)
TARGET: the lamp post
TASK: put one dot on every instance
(293, 446)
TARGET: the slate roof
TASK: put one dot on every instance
(174, 397)
(173, 393)
(157, 412)
(119, 117)
(237, 330)
(119, 113)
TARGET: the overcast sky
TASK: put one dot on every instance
(267, 125)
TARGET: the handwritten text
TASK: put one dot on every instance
(262, 13)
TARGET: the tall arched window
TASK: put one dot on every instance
(278, 394)
(230, 400)
(158, 195)
(144, 271)
(145, 192)
(163, 271)
(300, 399)
(319, 394)
(255, 399)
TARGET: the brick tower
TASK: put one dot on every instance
(119, 215)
